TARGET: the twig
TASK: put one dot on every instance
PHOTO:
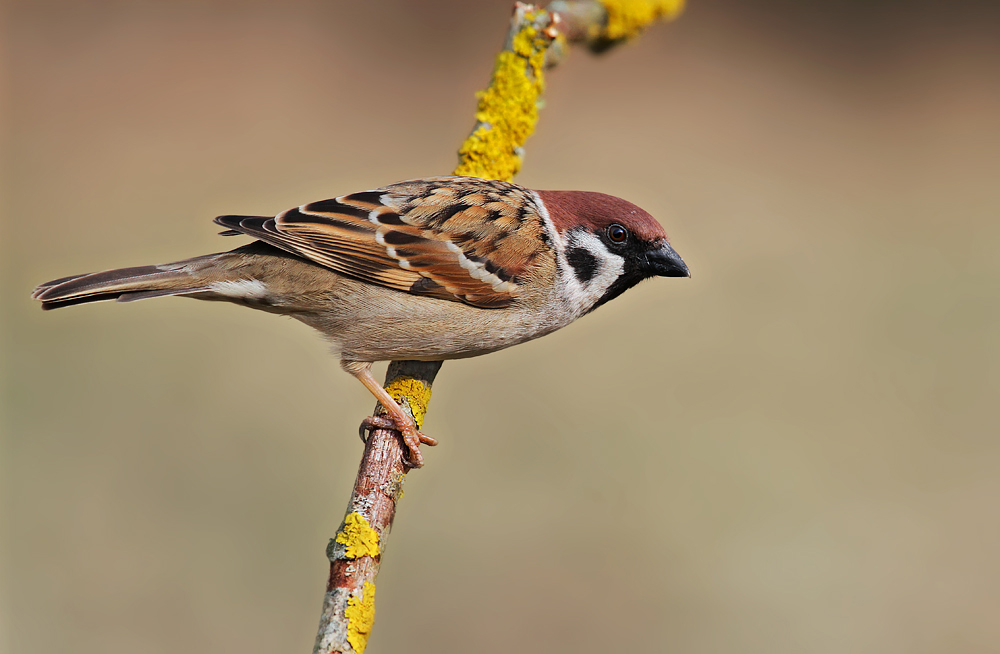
(601, 24)
(506, 115)
(507, 111)
(356, 552)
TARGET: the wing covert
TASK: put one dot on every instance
(456, 238)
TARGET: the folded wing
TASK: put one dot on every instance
(462, 239)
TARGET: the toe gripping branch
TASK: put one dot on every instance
(371, 423)
(402, 406)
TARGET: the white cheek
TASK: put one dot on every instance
(581, 296)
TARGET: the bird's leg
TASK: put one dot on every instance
(401, 422)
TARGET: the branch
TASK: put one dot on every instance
(507, 111)
(356, 552)
(506, 115)
(606, 23)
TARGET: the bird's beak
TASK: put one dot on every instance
(665, 262)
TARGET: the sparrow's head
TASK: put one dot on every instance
(609, 245)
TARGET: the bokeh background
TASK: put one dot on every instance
(795, 451)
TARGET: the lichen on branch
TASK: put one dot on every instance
(358, 537)
(507, 110)
(628, 18)
(412, 392)
(360, 614)
(603, 24)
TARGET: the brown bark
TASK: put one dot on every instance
(377, 489)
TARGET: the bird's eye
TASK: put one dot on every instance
(617, 233)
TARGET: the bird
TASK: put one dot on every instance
(428, 269)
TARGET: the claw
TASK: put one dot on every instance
(424, 439)
(374, 422)
(412, 438)
(397, 418)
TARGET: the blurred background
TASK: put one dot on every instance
(794, 451)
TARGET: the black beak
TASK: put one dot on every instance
(665, 262)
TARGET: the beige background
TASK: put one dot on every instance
(795, 451)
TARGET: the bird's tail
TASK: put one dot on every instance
(123, 285)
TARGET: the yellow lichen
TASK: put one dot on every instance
(358, 536)
(360, 614)
(417, 394)
(507, 110)
(627, 18)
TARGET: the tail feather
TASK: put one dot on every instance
(124, 285)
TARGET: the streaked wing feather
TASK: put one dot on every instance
(461, 239)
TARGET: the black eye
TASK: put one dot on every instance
(617, 233)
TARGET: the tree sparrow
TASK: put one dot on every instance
(428, 269)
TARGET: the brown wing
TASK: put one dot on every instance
(456, 238)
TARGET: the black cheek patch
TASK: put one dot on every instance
(584, 264)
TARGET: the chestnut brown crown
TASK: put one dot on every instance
(597, 211)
